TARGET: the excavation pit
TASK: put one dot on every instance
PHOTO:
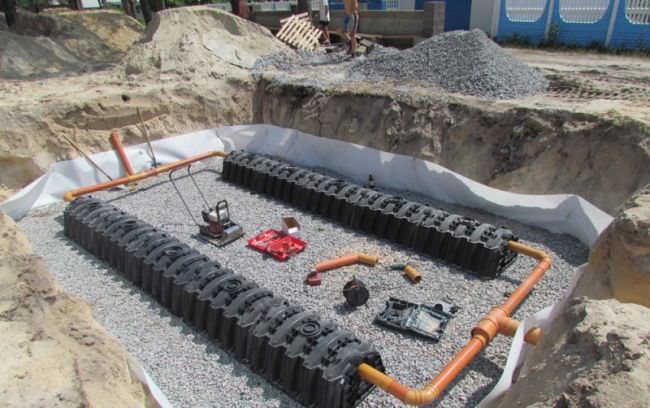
(188, 367)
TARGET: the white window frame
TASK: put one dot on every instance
(583, 11)
(527, 11)
(637, 11)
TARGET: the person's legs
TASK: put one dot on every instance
(324, 26)
(353, 32)
(349, 31)
(346, 24)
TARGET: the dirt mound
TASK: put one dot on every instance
(597, 350)
(619, 265)
(49, 44)
(520, 149)
(54, 353)
(199, 40)
(595, 354)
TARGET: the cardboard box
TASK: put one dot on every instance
(290, 226)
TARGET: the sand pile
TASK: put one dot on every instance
(595, 353)
(459, 61)
(597, 350)
(54, 352)
(49, 44)
(193, 40)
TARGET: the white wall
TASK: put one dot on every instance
(482, 15)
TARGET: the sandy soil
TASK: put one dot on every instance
(184, 77)
(532, 146)
(592, 83)
(54, 353)
(62, 43)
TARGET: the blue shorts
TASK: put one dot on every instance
(351, 23)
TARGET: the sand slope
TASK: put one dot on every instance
(197, 41)
(54, 353)
(50, 44)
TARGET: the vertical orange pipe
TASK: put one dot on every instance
(117, 145)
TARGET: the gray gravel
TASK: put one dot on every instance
(465, 62)
(299, 59)
(193, 372)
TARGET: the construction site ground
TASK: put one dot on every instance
(588, 135)
(188, 366)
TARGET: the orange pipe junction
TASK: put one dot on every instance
(72, 194)
(117, 145)
(346, 260)
(497, 321)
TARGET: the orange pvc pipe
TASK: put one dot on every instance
(346, 260)
(497, 321)
(72, 194)
(412, 274)
(117, 145)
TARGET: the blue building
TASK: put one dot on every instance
(611, 23)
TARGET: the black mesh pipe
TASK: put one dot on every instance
(309, 358)
(481, 249)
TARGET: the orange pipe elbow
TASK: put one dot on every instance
(412, 274)
(497, 321)
(346, 260)
(72, 194)
(117, 145)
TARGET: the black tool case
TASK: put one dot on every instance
(426, 320)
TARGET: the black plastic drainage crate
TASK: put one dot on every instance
(311, 359)
(481, 249)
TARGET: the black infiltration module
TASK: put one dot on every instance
(311, 359)
(482, 249)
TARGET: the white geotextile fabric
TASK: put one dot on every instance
(559, 213)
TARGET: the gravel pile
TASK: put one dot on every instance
(192, 371)
(467, 62)
(298, 59)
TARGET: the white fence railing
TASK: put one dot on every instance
(220, 6)
(404, 5)
(637, 11)
(280, 5)
(525, 10)
(583, 11)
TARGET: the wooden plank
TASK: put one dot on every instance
(297, 33)
(282, 30)
(311, 37)
(297, 26)
(286, 28)
(315, 39)
(293, 25)
(293, 16)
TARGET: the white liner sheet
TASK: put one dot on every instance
(558, 213)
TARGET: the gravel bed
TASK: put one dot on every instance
(193, 372)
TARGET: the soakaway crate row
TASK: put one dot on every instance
(309, 358)
(480, 248)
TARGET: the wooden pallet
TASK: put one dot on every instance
(298, 31)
